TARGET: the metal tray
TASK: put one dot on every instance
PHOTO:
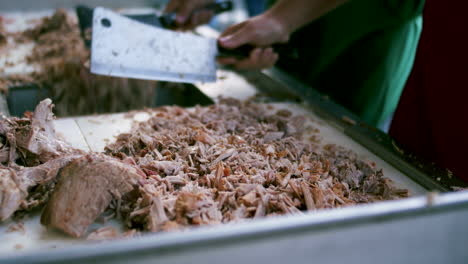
(428, 229)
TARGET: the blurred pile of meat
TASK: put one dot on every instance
(63, 61)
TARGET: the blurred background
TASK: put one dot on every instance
(55, 63)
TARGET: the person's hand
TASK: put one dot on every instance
(190, 13)
(261, 31)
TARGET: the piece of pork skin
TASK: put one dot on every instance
(41, 138)
(84, 190)
(11, 194)
(15, 183)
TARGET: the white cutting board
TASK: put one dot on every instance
(95, 132)
(100, 130)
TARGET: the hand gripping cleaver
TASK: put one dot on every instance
(122, 47)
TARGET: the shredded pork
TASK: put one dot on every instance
(234, 161)
(223, 163)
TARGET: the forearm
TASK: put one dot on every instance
(294, 14)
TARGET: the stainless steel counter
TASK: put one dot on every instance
(417, 230)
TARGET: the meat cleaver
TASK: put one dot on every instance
(85, 16)
(123, 47)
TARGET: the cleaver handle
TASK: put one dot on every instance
(243, 51)
(169, 20)
(220, 6)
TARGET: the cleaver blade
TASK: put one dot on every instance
(122, 47)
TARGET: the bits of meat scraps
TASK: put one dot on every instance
(104, 233)
(3, 33)
(19, 246)
(110, 233)
(16, 227)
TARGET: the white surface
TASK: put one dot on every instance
(229, 84)
(13, 56)
(101, 130)
(68, 129)
(14, 61)
(20, 21)
(36, 236)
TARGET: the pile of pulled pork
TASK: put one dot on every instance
(181, 168)
(63, 60)
(31, 156)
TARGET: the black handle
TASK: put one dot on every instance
(149, 19)
(244, 51)
(220, 6)
(240, 52)
(169, 20)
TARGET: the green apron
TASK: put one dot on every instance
(360, 54)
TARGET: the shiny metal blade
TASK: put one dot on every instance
(125, 48)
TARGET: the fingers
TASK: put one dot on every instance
(187, 9)
(253, 62)
(263, 58)
(231, 29)
(259, 58)
(236, 36)
(227, 60)
(202, 17)
(199, 18)
(173, 5)
(269, 58)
